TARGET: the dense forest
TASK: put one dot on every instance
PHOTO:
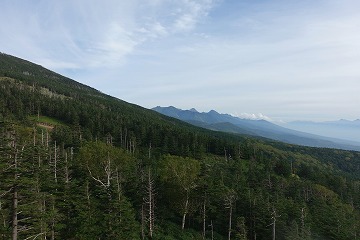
(78, 164)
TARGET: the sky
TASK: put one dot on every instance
(279, 60)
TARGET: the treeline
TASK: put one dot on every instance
(99, 191)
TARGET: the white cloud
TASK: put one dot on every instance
(287, 58)
(85, 34)
(113, 47)
(252, 116)
(158, 29)
(190, 13)
(152, 30)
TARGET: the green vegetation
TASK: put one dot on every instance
(113, 170)
(46, 120)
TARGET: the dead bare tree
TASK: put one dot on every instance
(107, 172)
(212, 229)
(67, 173)
(204, 217)
(150, 203)
(274, 216)
(55, 162)
(15, 200)
(230, 198)
(47, 139)
(34, 136)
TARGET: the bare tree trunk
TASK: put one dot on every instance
(302, 218)
(108, 171)
(186, 206)
(274, 229)
(55, 163)
(274, 216)
(118, 184)
(34, 136)
(204, 217)
(230, 198)
(67, 174)
(151, 204)
(15, 201)
(15, 215)
(148, 202)
(47, 139)
(212, 230)
(42, 137)
(230, 222)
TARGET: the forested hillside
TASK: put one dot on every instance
(78, 164)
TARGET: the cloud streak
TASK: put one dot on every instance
(285, 59)
(79, 34)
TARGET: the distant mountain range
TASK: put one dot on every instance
(261, 128)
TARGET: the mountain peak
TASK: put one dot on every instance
(172, 107)
(213, 112)
(193, 110)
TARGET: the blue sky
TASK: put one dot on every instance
(274, 59)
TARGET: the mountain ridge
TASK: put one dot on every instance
(261, 128)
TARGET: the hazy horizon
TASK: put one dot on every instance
(259, 116)
(347, 131)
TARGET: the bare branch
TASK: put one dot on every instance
(96, 179)
(34, 236)
(12, 165)
(6, 192)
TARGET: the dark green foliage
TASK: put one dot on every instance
(82, 172)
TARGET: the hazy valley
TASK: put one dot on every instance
(302, 133)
